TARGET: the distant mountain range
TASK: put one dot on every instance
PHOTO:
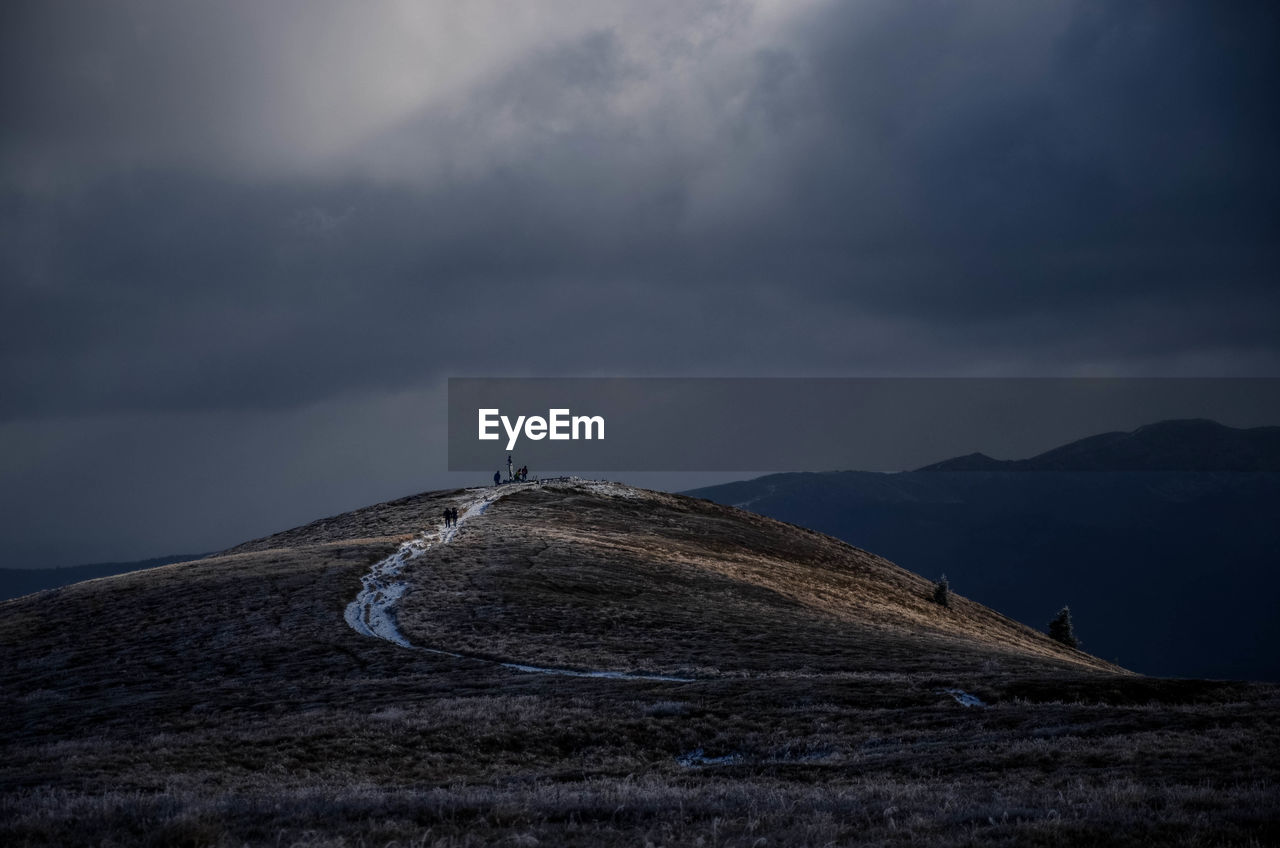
(1184, 445)
(15, 582)
(1168, 572)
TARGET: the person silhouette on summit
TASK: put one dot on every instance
(497, 477)
(510, 468)
(445, 516)
(453, 517)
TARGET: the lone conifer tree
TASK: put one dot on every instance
(1061, 630)
(942, 592)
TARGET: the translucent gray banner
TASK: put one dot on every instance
(822, 424)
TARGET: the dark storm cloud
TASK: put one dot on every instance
(933, 165)
(262, 208)
(1117, 152)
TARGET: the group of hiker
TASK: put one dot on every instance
(450, 516)
(514, 475)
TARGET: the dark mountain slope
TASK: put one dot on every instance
(227, 702)
(15, 582)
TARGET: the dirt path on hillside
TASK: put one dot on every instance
(373, 612)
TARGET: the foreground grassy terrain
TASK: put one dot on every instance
(227, 702)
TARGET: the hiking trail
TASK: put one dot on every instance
(373, 612)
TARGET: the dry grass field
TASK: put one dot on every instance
(226, 702)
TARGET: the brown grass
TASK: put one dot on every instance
(667, 583)
(225, 702)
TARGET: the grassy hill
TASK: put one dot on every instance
(227, 701)
(1166, 571)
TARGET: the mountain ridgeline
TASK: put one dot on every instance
(1166, 564)
(1184, 445)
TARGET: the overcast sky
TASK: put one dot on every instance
(244, 243)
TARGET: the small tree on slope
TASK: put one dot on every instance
(1061, 630)
(942, 592)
